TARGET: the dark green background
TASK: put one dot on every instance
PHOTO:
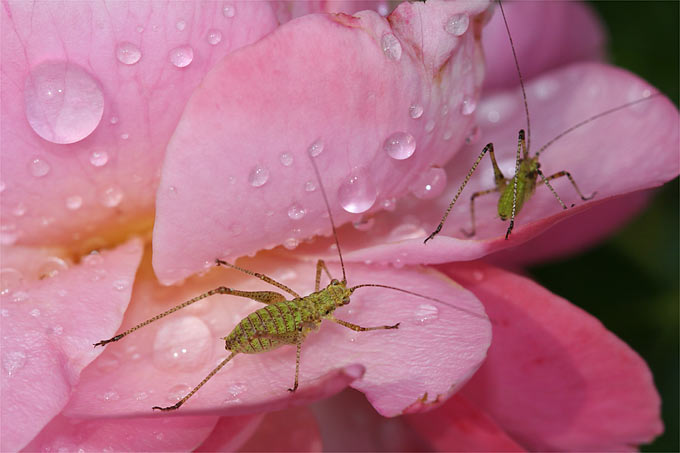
(630, 281)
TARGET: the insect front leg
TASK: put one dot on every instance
(320, 265)
(358, 328)
(559, 174)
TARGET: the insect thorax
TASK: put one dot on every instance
(526, 184)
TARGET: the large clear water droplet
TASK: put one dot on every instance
(430, 184)
(38, 167)
(214, 37)
(400, 145)
(391, 46)
(358, 193)
(64, 103)
(128, 53)
(182, 56)
(258, 176)
(457, 24)
(182, 344)
(99, 158)
(296, 212)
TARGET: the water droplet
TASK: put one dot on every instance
(93, 259)
(140, 29)
(364, 224)
(445, 110)
(110, 396)
(114, 120)
(57, 330)
(430, 184)
(178, 392)
(296, 212)
(181, 25)
(315, 148)
(473, 135)
(13, 361)
(493, 116)
(38, 167)
(9, 234)
(229, 10)
(469, 106)
(2, 186)
(124, 136)
(291, 243)
(358, 193)
(310, 186)
(128, 53)
(10, 280)
(457, 24)
(99, 158)
(182, 344)
(35, 312)
(545, 87)
(4, 312)
(389, 204)
(286, 159)
(258, 176)
(429, 126)
(160, 436)
(447, 135)
(111, 197)
(141, 396)
(234, 391)
(426, 313)
(400, 145)
(19, 210)
(52, 266)
(64, 103)
(391, 46)
(182, 56)
(214, 36)
(415, 111)
(121, 284)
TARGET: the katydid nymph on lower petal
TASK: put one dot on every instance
(283, 322)
(518, 189)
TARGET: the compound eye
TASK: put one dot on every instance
(345, 300)
(335, 282)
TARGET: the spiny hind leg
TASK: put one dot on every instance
(195, 389)
(358, 328)
(266, 297)
(320, 265)
(560, 174)
(472, 209)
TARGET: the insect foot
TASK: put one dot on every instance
(110, 340)
(169, 408)
(396, 326)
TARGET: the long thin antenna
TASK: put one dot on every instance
(594, 117)
(464, 310)
(330, 216)
(521, 79)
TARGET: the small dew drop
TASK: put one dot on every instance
(286, 159)
(120, 285)
(310, 186)
(178, 392)
(114, 120)
(35, 312)
(358, 193)
(160, 436)
(111, 197)
(429, 126)
(447, 135)
(473, 136)
(229, 10)
(140, 29)
(468, 107)
(19, 210)
(38, 167)
(445, 110)
(415, 111)
(391, 46)
(291, 243)
(389, 204)
(2, 186)
(110, 396)
(296, 212)
(430, 184)
(57, 330)
(457, 24)
(181, 25)
(427, 313)
(10, 280)
(315, 148)
(13, 362)
(141, 396)
(400, 145)
(128, 53)
(51, 267)
(493, 116)
(4, 312)
(258, 176)
(364, 224)
(124, 136)
(182, 344)
(214, 37)
(181, 56)
(20, 296)
(234, 391)
(99, 158)
(94, 259)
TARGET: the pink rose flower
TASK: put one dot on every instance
(204, 115)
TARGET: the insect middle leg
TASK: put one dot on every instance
(559, 174)
(472, 209)
(320, 265)
(266, 297)
(358, 328)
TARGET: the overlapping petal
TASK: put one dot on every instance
(237, 169)
(91, 94)
(47, 334)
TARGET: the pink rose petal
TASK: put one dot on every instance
(547, 35)
(290, 430)
(632, 149)
(460, 426)
(246, 182)
(122, 98)
(165, 359)
(555, 378)
(290, 9)
(47, 334)
(230, 433)
(134, 434)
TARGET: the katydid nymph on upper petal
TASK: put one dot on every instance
(518, 189)
(284, 322)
